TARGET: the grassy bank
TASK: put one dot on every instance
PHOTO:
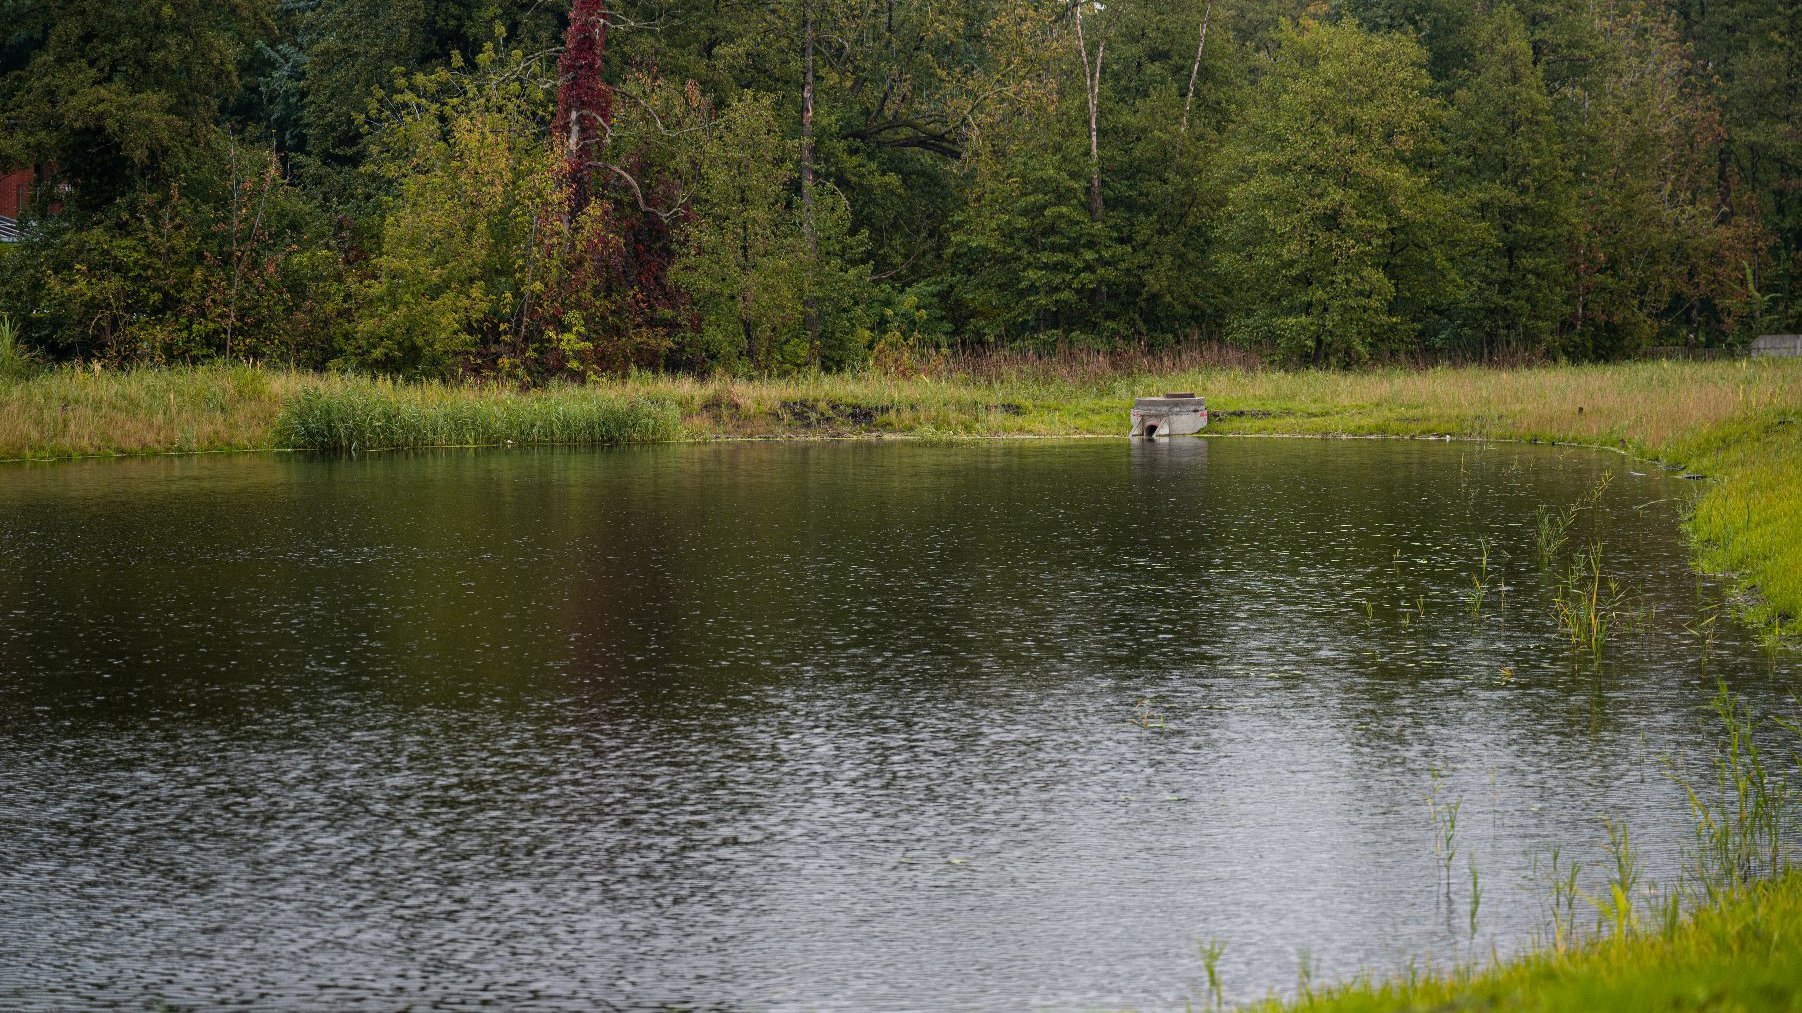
(1737, 423)
(1737, 954)
(1660, 409)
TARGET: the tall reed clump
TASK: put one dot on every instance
(14, 363)
(377, 415)
(1553, 530)
(1586, 604)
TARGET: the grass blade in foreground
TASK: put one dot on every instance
(1737, 955)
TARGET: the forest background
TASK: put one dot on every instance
(528, 191)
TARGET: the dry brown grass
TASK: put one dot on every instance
(1645, 406)
(74, 412)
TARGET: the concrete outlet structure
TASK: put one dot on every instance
(1170, 415)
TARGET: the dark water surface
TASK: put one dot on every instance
(814, 726)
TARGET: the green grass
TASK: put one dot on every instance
(1749, 521)
(14, 363)
(379, 415)
(1742, 953)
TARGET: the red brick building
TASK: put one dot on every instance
(15, 191)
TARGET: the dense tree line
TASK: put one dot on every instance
(537, 190)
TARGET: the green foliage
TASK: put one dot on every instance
(336, 55)
(1754, 50)
(909, 333)
(1028, 259)
(744, 260)
(115, 93)
(1662, 250)
(837, 277)
(464, 158)
(1509, 154)
(230, 262)
(1339, 235)
(1445, 28)
(1378, 179)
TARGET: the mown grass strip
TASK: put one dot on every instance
(1748, 521)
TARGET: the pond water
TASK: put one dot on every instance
(821, 726)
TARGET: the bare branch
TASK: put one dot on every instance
(656, 120)
(666, 215)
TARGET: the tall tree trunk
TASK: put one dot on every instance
(810, 304)
(753, 354)
(1091, 77)
(1092, 91)
(1207, 14)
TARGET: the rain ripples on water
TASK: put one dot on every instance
(854, 727)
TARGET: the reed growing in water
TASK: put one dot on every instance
(1587, 604)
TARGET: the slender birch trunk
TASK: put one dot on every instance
(810, 303)
(1207, 15)
(1091, 76)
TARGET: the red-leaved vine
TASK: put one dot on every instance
(609, 303)
(584, 104)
